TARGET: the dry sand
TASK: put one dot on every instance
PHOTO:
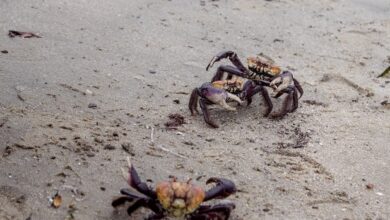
(132, 59)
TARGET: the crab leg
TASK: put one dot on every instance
(250, 89)
(298, 86)
(138, 202)
(223, 188)
(267, 100)
(218, 212)
(295, 100)
(218, 96)
(282, 82)
(210, 95)
(286, 103)
(224, 105)
(234, 98)
(132, 194)
(136, 205)
(231, 70)
(157, 209)
(203, 105)
(193, 103)
(121, 200)
(134, 181)
(232, 57)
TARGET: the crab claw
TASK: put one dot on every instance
(219, 211)
(126, 174)
(281, 83)
(132, 178)
(211, 63)
(223, 188)
(299, 87)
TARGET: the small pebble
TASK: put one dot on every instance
(92, 105)
(188, 143)
(370, 186)
(109, 147)
(90, 154)
(98, 140)
(251, 140)
(89, 92)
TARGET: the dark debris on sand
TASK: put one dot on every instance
(175, 120)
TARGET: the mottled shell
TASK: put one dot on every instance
(262, 64)
(275, 70)
(227, 84)
(179, 198)
(238, 83)
(165, 194)
(218, 84)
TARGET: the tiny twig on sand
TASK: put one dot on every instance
(171, 152)
(363, 91)
(72, 88)
(151, 135)
(18, 94)
(22, 34)
(159, 146)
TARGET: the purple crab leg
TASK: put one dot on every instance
(206, 115)
(223, 188)
(232, 57)
(155, 216)
(267, 100)
(121, 200)
(250, 89)
(298, 86)
(231, 70)
(193, 103)
(137, 202)
(217, 212)
(134, 181)
(295, 100)
(286, 103)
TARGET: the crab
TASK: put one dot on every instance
(176, 199)
(262, 71)
(223, 91)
